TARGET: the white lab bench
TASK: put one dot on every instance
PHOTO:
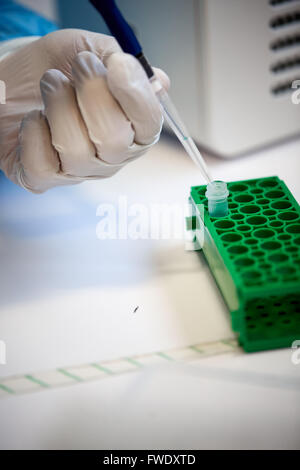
(69, 298)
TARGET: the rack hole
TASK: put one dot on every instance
(262, 201)
(291, 249)
(265, 266)
(251, 209)
(231, 237)
(202, 191)
(271, 246)
(251, 241)
(293, 228)
(244, 228)
(276, 223)
(251, 275)
(274, 194)
(237, 187)
(269, 212)
(225, 224)
(244, 198)
(237, 216)
(256, 191)
(264, 233)
(281, 205)
(268, 183)
(285, 270)
(288, 216)
(256, 220)
(284, 236)
(278, 257)
(244, 262)
(237, 249)
(258, 254)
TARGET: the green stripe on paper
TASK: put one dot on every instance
(68, 374)
(37, 381)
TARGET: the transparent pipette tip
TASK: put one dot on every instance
(217, 196)
(172, 117)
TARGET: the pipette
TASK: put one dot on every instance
(125, 36)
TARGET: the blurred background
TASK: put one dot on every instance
(231, 63)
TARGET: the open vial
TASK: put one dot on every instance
(217, 194)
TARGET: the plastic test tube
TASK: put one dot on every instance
(217, 194)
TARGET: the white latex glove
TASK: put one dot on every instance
(76, 108)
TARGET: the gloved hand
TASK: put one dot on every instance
(76, 108)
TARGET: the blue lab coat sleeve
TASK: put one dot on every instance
(17, 21)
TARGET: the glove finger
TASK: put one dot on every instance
(130, 85)
(162, 77)
(39, 164)
(68, 132)
(109, 129)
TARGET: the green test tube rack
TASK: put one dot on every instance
(254, 256)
